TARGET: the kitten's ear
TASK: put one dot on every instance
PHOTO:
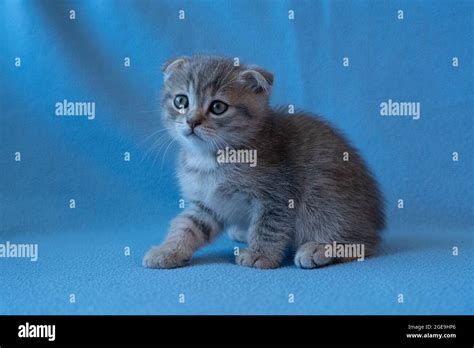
(257, 79)
(172, 65)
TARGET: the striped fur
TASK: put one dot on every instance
(300, 196)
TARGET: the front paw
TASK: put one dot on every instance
(250, 258)
(165, 256)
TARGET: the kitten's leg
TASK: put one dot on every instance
(238, 234)
(313, 254)
(189, 231)
(268, 238)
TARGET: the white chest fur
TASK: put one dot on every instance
(207, 187)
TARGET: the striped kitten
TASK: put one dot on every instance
(309, 190)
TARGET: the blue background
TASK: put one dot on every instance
(120, 204)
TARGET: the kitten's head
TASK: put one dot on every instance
(208, 103)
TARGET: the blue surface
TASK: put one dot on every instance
(120, 204)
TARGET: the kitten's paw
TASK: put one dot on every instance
(237, 234)
(164, 256)
(251, 258)
(311, 255)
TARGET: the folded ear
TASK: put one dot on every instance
(257, 79)
(172, 65)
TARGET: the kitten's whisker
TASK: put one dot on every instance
(232, 146)
(151, 135)
(215, 146)
(164, 155)
(157, 154)
(157, 143)
(210, 136)
(161, 146)
(225, 142)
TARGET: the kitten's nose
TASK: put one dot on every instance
(193, 123)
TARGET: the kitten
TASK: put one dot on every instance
(309, 189)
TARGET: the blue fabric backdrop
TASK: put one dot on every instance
(123, 204)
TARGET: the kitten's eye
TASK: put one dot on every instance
(181, 102)
(218, 107)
